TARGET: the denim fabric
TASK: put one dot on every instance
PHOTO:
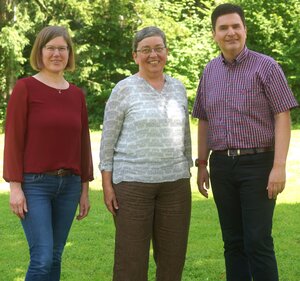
(52, 203)
(245, 214)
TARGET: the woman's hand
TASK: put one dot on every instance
(84, 202)
(110, 199)
(17, 200)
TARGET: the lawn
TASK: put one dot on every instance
(89, 251)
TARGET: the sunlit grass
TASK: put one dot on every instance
(89, 251)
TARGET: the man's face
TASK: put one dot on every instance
(230, 34)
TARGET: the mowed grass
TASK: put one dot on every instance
(89, 251)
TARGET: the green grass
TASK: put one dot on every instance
(89, 251)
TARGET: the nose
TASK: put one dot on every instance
(56, 51)
(153, 52)
(230, 31)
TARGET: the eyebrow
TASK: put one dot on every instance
(157, 45)
(227, 25)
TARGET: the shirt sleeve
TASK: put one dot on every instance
(86, 153)
(113, 121)
(15, 133)
(278, 92)
(199, 105)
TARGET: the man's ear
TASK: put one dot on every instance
(213, 34)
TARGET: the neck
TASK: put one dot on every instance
(152, 77)
(156, 81)
(52, 77)
(231, 56)
(55, 80)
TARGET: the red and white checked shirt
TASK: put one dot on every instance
(239, 100)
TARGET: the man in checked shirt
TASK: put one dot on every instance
(243, 105)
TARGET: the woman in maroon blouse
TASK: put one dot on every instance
(47, 154)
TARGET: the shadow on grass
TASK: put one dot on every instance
(89, 251)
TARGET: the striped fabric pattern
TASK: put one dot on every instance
(239, 100)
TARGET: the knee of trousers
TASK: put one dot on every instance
(234, 245)
(41, 263)
(255, 245)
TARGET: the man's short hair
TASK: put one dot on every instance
(225, 9)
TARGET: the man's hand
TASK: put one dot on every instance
(203, 180)
(276, 182)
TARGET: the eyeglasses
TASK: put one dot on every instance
(60, 49)
(147, 51)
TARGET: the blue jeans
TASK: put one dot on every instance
(245, 214)
(52, 202)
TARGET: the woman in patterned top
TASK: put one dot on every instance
(145, 160)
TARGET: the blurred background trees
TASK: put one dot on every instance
(102, 31)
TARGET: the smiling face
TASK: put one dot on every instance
(230, 34)
(151, 64)
(55, 55)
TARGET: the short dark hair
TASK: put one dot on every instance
(225, 9)
(146, 32)
(45, 35)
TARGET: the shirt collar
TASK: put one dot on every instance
(241, 57)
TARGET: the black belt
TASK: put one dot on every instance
(59, 173)
(243, 151)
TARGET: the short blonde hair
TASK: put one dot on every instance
(45, 35)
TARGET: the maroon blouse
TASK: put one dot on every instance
(46, 130)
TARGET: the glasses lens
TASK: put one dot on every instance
(147, 51)
(61, 49)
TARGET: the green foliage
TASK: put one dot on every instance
(274, 29)
(12, 42)
(188, 33)
(104, 52)
(103, 29)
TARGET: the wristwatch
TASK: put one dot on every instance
(200, 162)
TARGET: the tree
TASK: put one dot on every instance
(102, 31)
(274, 29)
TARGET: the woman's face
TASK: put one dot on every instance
(55, 55)
(151, 56)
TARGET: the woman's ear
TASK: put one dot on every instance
(134, 55)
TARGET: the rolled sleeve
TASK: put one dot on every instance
(112, 125)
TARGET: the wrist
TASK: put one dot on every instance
(200, 162)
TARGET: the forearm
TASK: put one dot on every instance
(85, 187)
(106, 179)
(203, 150)
(15, 185)
(282, 137)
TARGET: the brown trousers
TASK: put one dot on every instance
(159, 212)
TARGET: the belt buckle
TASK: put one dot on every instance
(233, 152)
(60, 172)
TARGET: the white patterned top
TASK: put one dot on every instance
(146, 133)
